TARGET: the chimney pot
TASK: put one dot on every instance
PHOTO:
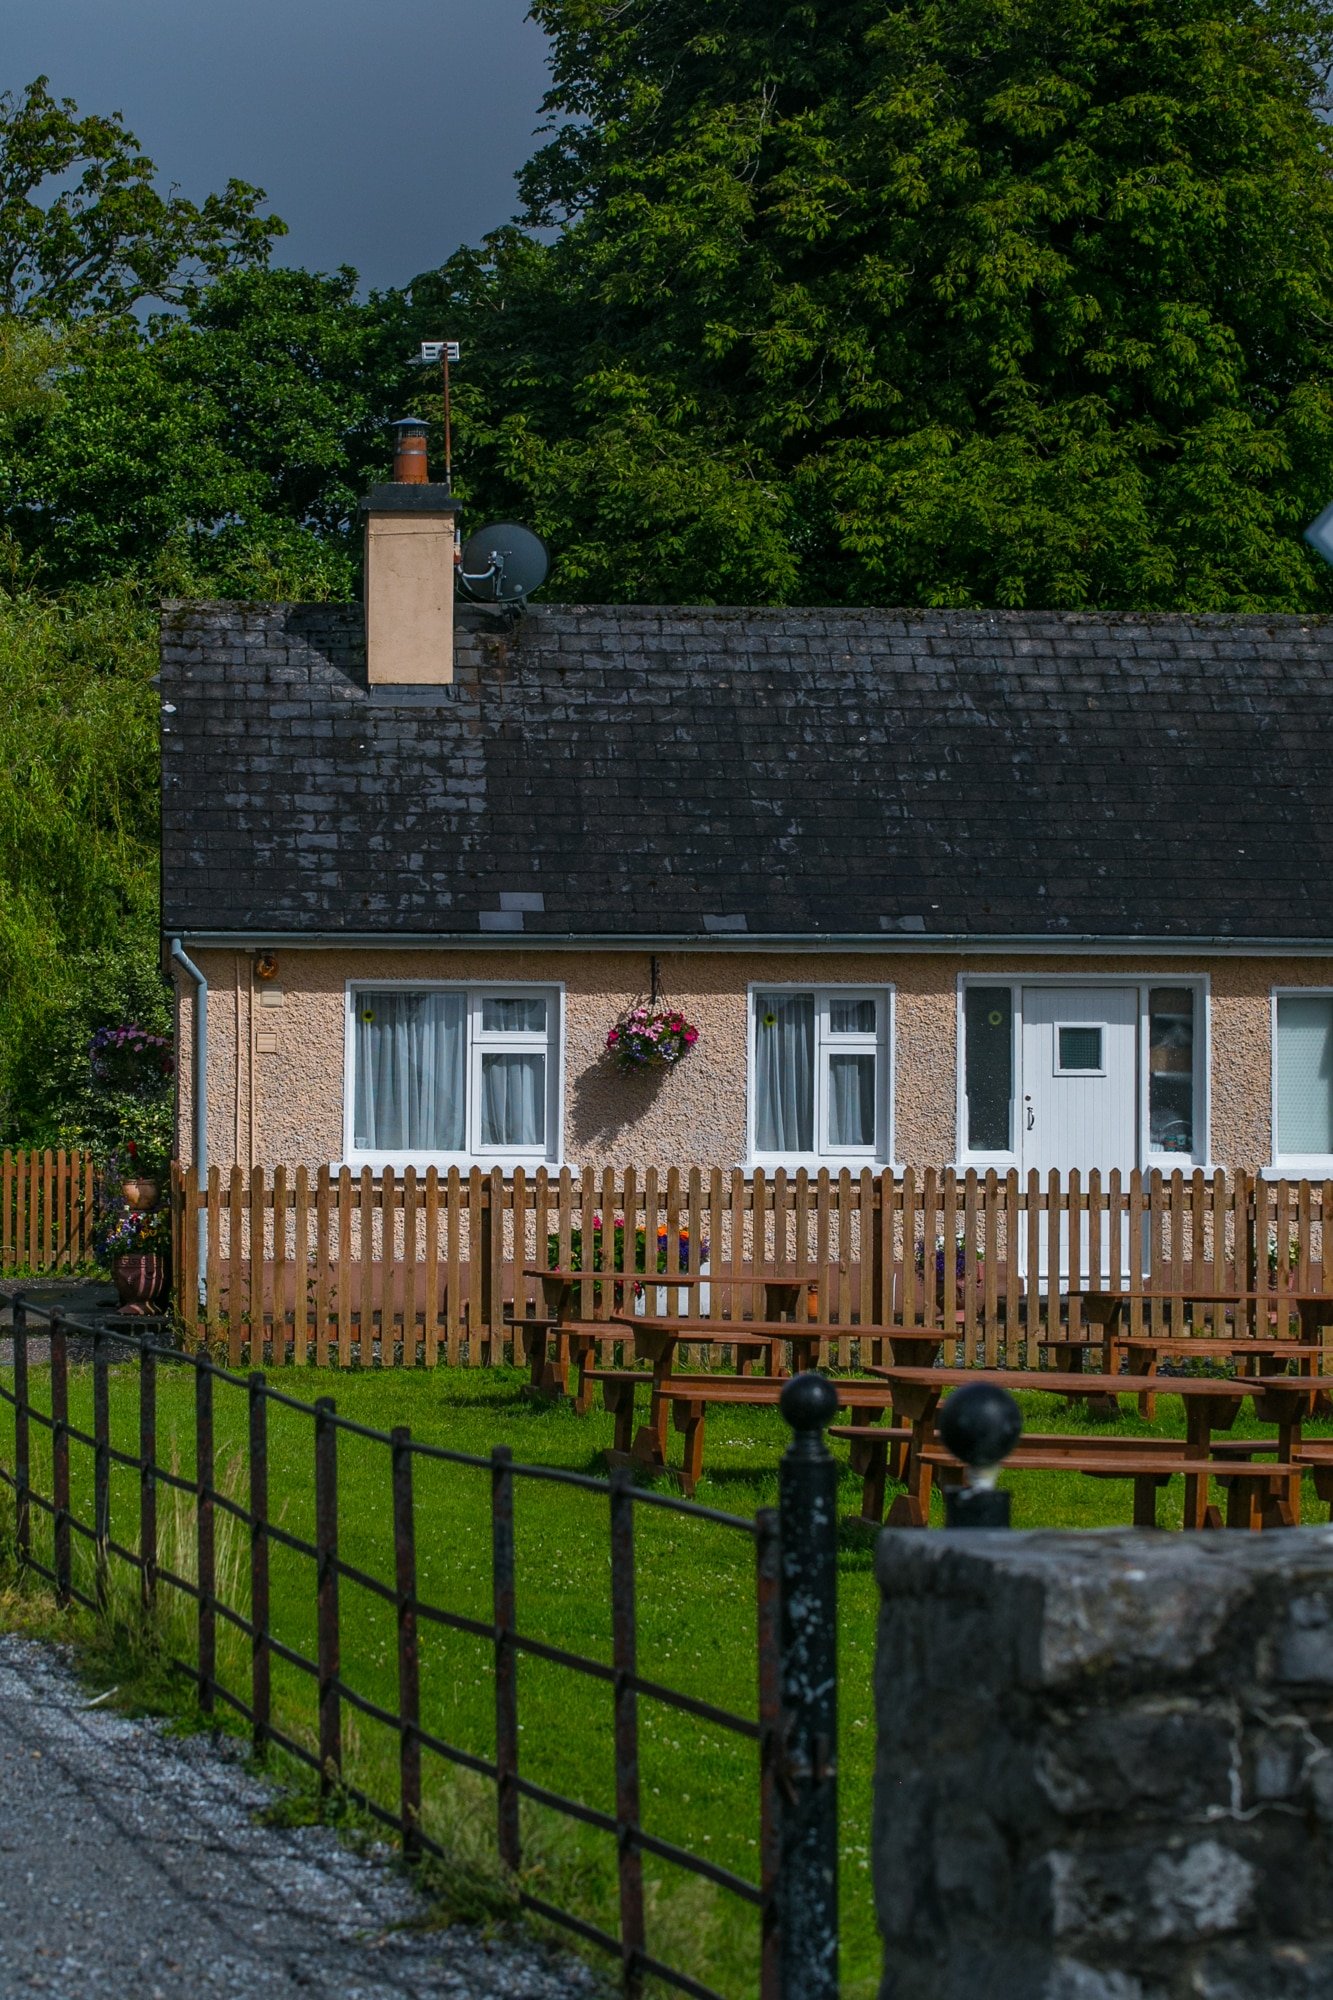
(409, 452)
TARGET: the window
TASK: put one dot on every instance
(453, 1073)
(1079, 1052)
(988, 1034)
(820, 1074)
(1303, 1076)
(1171, 1069)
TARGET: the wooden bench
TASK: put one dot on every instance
(877, 1455)
(1257, 1492)
(1149, 1462)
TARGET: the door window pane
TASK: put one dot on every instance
(988, 1030)
(851, 1017)
(1080, 1050)
(513, 1014)
(1171, 1069)
(1304, 1061)
(851, 1101)
(411, 1056)
(784, 1072)
(513, 1101)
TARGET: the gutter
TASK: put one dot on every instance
(200, 1092)
(1082, 944)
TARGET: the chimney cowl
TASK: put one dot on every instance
(409, 451)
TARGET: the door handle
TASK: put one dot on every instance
(1032, 1118)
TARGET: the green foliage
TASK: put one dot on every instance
(83, 230)
(78, 851)
(917, 304)
(221, 453)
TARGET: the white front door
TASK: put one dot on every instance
(1080, 1078)
(1079, 1106)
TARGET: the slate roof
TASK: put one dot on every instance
(638, 772)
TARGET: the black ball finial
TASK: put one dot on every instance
(808, 1401)
(980, 1423)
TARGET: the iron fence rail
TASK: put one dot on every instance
(794, 1569)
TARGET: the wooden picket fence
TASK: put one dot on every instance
(335, 1267)
(46, 1212)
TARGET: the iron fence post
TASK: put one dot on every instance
(101, 1470)
(326, 1548)
(624, 1647)
(409, 1665)
(505, 1612)
(980, 1424)
(204, 1533)
(260, 1653)
(22, 1472)
(60, 1458)
(808, 1877)
(148, 1474)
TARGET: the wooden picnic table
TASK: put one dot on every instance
(557, 1339)
(1107, 1309)
(553, 1346)
(1211, 1404)
(657, 1340)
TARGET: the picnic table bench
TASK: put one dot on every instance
(687, 1400)
(1150, 1462)
(1211, 1404)
(1106, 1310)
(558, 1337)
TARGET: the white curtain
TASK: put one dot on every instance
(513, 1101)
(411, 1062)
(784, 1072)
(851, 1101)
(1304, 1074)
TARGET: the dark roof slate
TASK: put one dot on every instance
(655, 772)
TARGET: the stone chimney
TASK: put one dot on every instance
(410, 570)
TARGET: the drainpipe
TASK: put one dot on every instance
(191, 970)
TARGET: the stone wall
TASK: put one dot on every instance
(1104, 1767)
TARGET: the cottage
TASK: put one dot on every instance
(1011, 889)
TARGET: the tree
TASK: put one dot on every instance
(219, 451)
(863, 302)
(78, 836)
(83, 229)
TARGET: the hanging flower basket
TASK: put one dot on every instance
(648, 1035)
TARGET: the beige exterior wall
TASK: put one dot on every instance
(276, 1072)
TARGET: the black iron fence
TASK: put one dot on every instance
(793, 1729)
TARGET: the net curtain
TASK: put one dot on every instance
(784, 1063)
(411, 1062)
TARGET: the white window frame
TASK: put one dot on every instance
(1303, 1165)
(1198, 982)
(479, 1041)
(881, 1043)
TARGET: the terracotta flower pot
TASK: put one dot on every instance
(140, 1192)
(141, 1279)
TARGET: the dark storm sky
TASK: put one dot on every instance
(386, 132)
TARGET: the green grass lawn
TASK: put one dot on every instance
(696, 1622)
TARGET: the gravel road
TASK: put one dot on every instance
(132, 1868)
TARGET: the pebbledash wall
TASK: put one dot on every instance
(276, 1071)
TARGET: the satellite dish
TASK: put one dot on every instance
(504, 564)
